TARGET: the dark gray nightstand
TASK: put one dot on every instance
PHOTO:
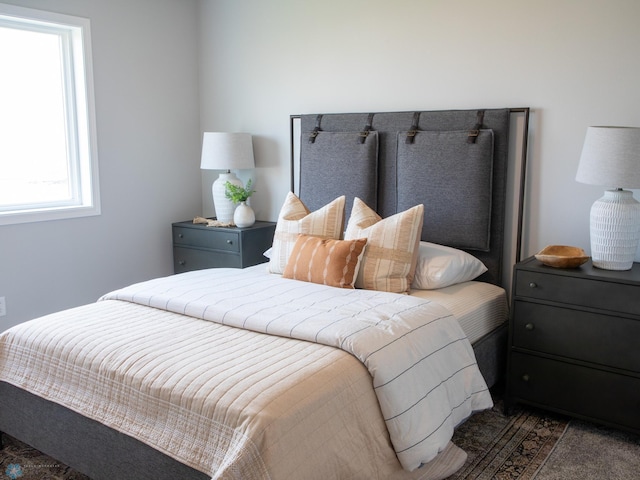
(197, 246)
(574, 342)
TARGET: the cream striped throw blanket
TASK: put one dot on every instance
(424, 371)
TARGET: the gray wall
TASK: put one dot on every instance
(145, 61)
(575, 62)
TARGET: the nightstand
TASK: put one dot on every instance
(574, 342)
(197, 246)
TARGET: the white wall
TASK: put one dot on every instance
(574, 62)
(145, 58)
(158, 86)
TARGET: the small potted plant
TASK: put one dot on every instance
(243, 215)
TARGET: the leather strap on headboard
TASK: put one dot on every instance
(367, 128)
(475, 131)
(413, 131)
(316, 130)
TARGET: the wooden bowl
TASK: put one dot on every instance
(562, 256)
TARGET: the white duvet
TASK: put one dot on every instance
(423, 367)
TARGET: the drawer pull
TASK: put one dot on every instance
(525, 377)
(230, 242)
(529, 326)
(181, 262)
(533, 285)
(180, 235)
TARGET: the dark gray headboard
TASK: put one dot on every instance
(454, 162)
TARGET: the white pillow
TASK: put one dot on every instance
(439, 266)
(295, 218)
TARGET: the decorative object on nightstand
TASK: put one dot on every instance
(226, 151)
(562, 256)
(197, 245)
(243, 216)
(611, 157)
(573, 342)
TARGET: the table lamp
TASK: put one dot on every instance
(611, 157)
(226, 151)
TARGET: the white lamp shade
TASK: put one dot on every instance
(611, 157)
(226, 151)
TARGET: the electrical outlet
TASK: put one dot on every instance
(3, 307)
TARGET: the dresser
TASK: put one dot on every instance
(197, 246)
(574, 342)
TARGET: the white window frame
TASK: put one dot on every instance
(80, 115)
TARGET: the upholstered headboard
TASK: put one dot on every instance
(454, 162)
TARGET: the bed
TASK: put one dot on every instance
(275, 371)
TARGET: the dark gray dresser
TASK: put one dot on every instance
(197, 246)
(574, 342)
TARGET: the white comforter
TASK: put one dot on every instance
(423, 368)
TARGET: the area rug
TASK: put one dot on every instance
(528, 444)
(532, 444)
(20, 461)
(507, 447)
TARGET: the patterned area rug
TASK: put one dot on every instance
(20, 461)
(507, 447)
(526, 445)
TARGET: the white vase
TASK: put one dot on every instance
(244, 216)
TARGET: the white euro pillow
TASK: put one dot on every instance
(439, 266)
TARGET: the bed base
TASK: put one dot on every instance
(84, 444)
(491, 354)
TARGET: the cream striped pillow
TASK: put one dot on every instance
(389, 261)
(295, 218)
(325, 261)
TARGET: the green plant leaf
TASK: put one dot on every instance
(238, 194)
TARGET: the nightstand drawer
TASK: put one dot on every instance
(586, 292)
(217, 240)
(186, 259)
(581, 335)
(587, 392)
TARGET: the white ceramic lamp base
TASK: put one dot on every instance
(224, 207)
(615, 230)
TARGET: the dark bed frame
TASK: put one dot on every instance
(103, 453)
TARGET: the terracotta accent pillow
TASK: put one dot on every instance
(295, 218)
(389, 261)
(325, 261)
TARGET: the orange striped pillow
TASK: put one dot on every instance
(389, 263)
(325, 261)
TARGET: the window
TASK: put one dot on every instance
(48, 154)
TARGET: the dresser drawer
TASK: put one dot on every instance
(583, 291)
(186, 259)
(217, 240)
(581, 335)
(588, 392)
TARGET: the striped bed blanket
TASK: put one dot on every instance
(423, 368)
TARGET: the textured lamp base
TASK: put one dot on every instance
(224, 207)
(615, 230)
